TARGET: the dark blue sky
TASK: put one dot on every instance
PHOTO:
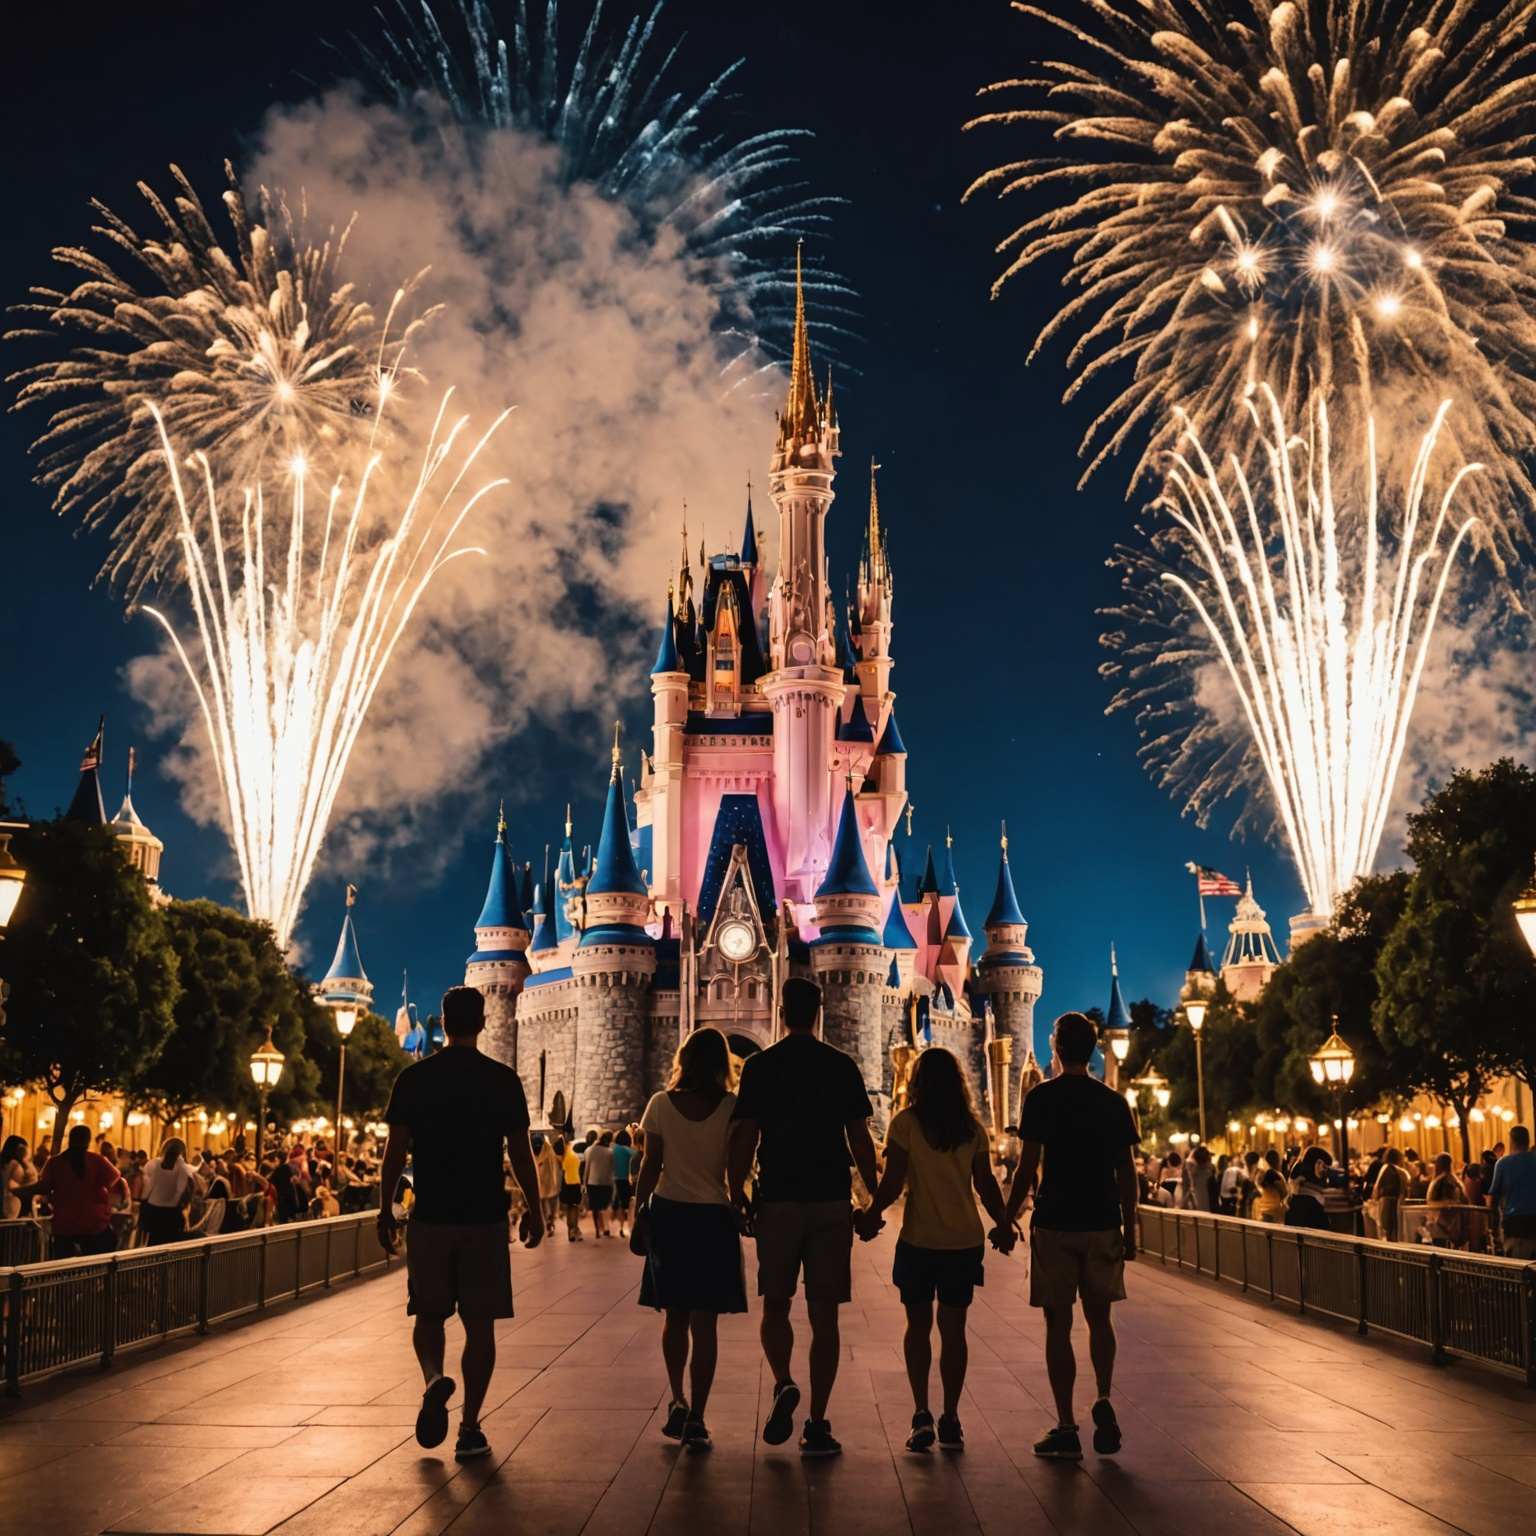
(999, 560)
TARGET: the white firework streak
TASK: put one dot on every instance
(292, 657)
(1322, 620)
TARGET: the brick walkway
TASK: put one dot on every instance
(1237, 1417)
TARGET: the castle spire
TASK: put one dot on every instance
(749, 535)
(666, 650)
(876, 544)
(801, 409)
(1005, 911)
(87, 804)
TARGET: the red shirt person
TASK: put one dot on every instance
(79, 1186)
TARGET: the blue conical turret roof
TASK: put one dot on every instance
(948, 885)
(749, 535)
(1117, 1015)
(890, 739)
(666, 651)
(930, 881)
(615, 869)
(347, 963)
(1201, 959)
(958, 927)
(1005, 903)
(848, 873)
(897, 935)
(857, 728)
(86, 803)
(544, 935)
(502, 908)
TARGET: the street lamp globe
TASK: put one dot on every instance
(1162, 1095)
(1525, 914)
(1195, 1010)
(346, 1018)
(266, 1065)
(1120, 1043)
(12, 878)
(1332, 1063)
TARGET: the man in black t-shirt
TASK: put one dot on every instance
(1084, 1224)
(454, 1112)
(802, 1108)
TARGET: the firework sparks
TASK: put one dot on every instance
(731, 204)
(292, 650)
(249, 354)
(1317, 609)
(1315, 193)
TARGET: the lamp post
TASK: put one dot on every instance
(266, 1069)
(1525, 916)
(347, 992)
(346, 1022)
(1194, 1010)
(1333, 1064)
(1119, 1041)
(12, 878)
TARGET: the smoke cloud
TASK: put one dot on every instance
(606, 342)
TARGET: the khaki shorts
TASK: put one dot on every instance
(468, 1268)
(817, 1234)
(1067, 1265)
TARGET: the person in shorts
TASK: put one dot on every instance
(454, 1113)
(597, 1178)
(623, 1184)
(802, 1109)
(570, 1188)
(937, 1149)
(1079, 1144)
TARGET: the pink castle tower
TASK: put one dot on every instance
(763, 842)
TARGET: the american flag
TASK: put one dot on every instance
(92, 758)
(1211, 882)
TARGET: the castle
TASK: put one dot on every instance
(762, 842)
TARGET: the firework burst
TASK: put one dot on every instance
(1315, 193)
(1313, 607)
(249, 353)
(731, 204)
(297, 617)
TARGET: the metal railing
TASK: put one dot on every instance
(71, 1311)
(24, 1241)
(1472, 1306)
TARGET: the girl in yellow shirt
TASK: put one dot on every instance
(938, 1150)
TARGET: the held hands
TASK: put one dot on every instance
(535, 1226)
(867, 1223)
(1004, 1238)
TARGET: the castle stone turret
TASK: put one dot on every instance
(613, 965)
(1007, 972)
(499, 966)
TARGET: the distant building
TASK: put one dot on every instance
(140, 846)
(1251, 957)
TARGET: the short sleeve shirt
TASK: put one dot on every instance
(801, 1093)
(82, 1204)
(1514, 1184)
(1084, 1129)
(460, 1106)
(940, 1209)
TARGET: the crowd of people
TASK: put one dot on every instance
(98, 1197)
(783, 1157)
(1488, 1205)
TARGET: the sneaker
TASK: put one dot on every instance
(432, 1419)
(470, 1444)
(677, 1416)
(951, 1436)
(696, 1437)
(1106, 1428)
(781, 1419)
(1060, 1444)
(921, 1438)
(816, 1439)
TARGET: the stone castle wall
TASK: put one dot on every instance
(547, 1029)
(610, 1047)
(852, 979)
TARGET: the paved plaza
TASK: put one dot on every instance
(1238, 1417)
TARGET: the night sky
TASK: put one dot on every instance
(999, 560)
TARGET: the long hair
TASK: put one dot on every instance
(174, 1151)
(940, 1097)
(79, 1144)
(14, 1150)
(703, 1065)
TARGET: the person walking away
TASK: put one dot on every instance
(456, 1113)
(803, 1111)
(168, 1188)
(1199, 1181)
(1391, 1190)
(79, 1186)
(597, 1178)
(1512, 1195)
(1444, 1221)
(693, 1268)
(623, 1183)
(548, 1166)
(1308, 1205)
(1080, 1142)
(938, 1151)
(570, 1188)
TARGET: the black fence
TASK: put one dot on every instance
(72, 1311)
(1471, 1306)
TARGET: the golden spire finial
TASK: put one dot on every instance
(874, 518)
(910, 809)
(567, 823)
(617, 756)
(800, 410)
(351, 896)
(949, 841)
(1005, 839)
(501, 820)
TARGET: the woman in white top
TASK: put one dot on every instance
(692, 1240)
(15, 1171)
(167, 1187)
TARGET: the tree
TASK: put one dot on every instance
(374, 1061)
(234, 983)
(1457, 986)
(93, 975)
(9, 763)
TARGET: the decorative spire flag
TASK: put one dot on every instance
(92, 757)
(1211, 882)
